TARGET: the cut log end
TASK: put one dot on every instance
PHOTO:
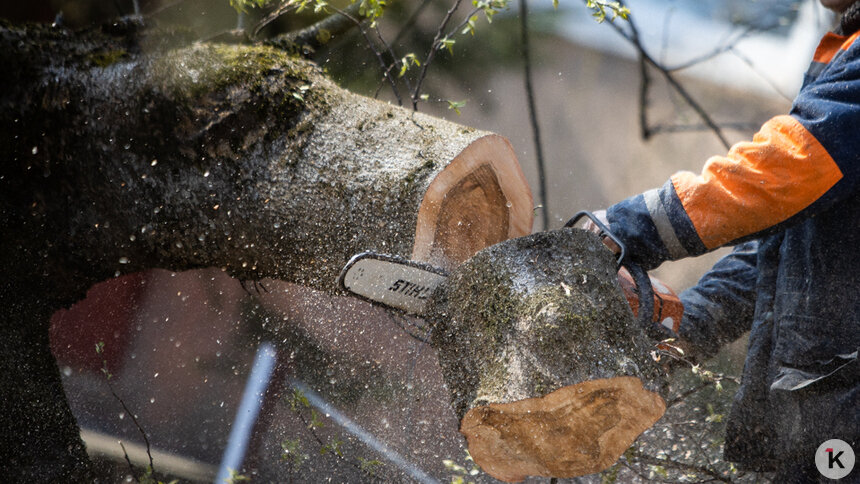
(576, 430)
(479, 199)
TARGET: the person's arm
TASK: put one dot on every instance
(797, 165)
(719, 308)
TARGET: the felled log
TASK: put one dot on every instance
(126, 149)
(548, 372)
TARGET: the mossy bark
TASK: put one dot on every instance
(126, 149)
(527, 317)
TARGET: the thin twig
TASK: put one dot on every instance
(644, 88)
(746, 60)
(634, 38)
(726, 47)
(136, 424)
(434, 46)
(683, 396)
(407, 26)
(128, 461)
(647, 459)
(395, 61)
(464, 21)
(335, 24)
(275, 14)
(386, 72)
(307, 425)
(530, 96)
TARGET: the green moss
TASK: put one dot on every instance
(199, 70)
(551, 309)
(493, 380)
(107, 58)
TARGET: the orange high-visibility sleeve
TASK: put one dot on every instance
(758, 184)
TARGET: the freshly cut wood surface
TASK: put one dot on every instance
(576, 430)
(547, 369)
(479, 199)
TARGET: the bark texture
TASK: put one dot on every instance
(126, 149)
(543, 359)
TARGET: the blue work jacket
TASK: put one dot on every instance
(788, 201)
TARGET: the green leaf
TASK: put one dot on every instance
(291, 451)
(408, 61)
(333, 447)
(447, 43)
(235, 477)
(470, 25)
(456, 105)
(244, 5)
(372, 9)
(298, 400)
(599, 10)
(369, 467)
(315, 421)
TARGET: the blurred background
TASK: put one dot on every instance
(355, 394)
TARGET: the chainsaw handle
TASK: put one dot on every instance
(643, 283)
(645, 293)
(604, 230)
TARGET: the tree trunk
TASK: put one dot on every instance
(543, 359)
(126, 150)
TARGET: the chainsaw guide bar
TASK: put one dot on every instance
(390, 280)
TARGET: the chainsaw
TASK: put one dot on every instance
(407, 285)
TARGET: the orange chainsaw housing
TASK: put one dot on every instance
(668, 308)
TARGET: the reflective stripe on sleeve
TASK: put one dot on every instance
(664, 225)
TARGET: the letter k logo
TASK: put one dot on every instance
(834, 459)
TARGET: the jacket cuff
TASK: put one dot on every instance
(654, 227)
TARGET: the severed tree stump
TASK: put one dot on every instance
(547, 369)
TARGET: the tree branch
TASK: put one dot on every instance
(530, 97)
(647, 459)
(335, 24)
(434, 46)
(635, 40)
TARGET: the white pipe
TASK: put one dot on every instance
(249, 409)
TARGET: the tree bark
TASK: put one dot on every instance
(127, 149)
(543, 359)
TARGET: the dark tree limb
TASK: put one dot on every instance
(316, 35)
(530, 98)
(646, 58)
(127, 150)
